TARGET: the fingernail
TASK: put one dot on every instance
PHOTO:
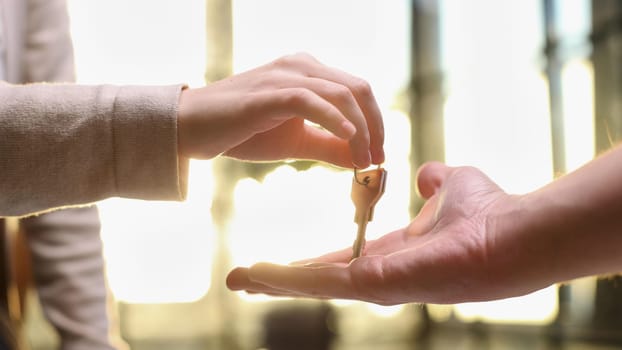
(381, 156)
(378, 157)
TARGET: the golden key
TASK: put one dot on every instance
(367, 188)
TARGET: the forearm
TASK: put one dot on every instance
(578, 219)
(68, 145)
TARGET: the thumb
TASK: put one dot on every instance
(430, 178)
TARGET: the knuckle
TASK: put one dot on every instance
(342, 94)
(296, 96)
(282, 62)
(303, 56)
(286, 59)
(361, 87)
(293, 59)
(363, 136)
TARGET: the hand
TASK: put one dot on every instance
(461, 247)
(259, 116)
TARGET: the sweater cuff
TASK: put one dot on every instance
(144, 132)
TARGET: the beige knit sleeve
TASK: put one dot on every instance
(64, 145)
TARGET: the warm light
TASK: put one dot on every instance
(159, 251)
(293, 215)
(489, 128)
(385, 311)
(497, 117)
(155, 252)
(538, 308)
(369, 39)
(578, 106)
(166, 46)
(440, 313)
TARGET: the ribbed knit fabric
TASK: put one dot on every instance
(64, 144)
(67, 144)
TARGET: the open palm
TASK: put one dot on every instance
(451, 252)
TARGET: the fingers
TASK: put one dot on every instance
(238, 279)
(430, 178)
(342, 97)
(364, 96)
(317, 144)
(291, 102)
(352, 96)
(367, 102)
(425, 219)
(324, 281)
(360, 280)
(301, 101)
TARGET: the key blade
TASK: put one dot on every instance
(359, 242)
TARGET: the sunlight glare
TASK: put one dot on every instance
(294, 215)
(538, 308)
(578, 90)
(291, 215)
(155, 251)
(160, 251)
(384, 311)
(496, 116)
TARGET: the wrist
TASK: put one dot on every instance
(526, 239)
(574, 237)
(183, 147)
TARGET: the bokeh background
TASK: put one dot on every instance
(525, 90)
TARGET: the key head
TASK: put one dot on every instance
(367, 188)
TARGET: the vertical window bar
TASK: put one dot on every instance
(426, 91)
(553, 69)
(606, 40)
(554, 64)
(219, 65)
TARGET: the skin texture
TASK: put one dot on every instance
(259, 115)
(470, 242)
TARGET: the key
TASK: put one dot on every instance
(367, 188)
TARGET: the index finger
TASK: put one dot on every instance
(326, 281)
(365, 98)
(360, 280)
